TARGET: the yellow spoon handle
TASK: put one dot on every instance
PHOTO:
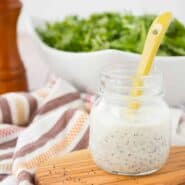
(152, 43)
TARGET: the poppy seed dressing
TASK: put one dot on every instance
(129, 146)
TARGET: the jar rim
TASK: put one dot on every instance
(118, 79)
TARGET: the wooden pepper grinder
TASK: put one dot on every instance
(12, 72)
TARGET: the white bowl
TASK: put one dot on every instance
(83, 69)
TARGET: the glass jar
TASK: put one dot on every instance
(129, 141)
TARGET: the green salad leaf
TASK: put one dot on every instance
(110, 30)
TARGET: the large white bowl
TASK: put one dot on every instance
(83, 69)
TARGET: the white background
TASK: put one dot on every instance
(57, 9)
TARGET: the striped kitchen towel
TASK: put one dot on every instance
(38, 126)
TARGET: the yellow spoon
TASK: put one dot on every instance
(152, 43)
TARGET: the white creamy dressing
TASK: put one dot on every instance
(123, 144)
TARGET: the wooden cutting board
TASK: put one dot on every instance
(78, 168)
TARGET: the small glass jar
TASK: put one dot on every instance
(129, 141)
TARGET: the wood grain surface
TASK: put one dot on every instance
(78, 168)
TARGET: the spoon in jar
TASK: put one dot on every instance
(152, 43)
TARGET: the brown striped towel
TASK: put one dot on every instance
(38, 126)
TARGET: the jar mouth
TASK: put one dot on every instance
(118, 79)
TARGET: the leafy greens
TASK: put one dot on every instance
(110, 31)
